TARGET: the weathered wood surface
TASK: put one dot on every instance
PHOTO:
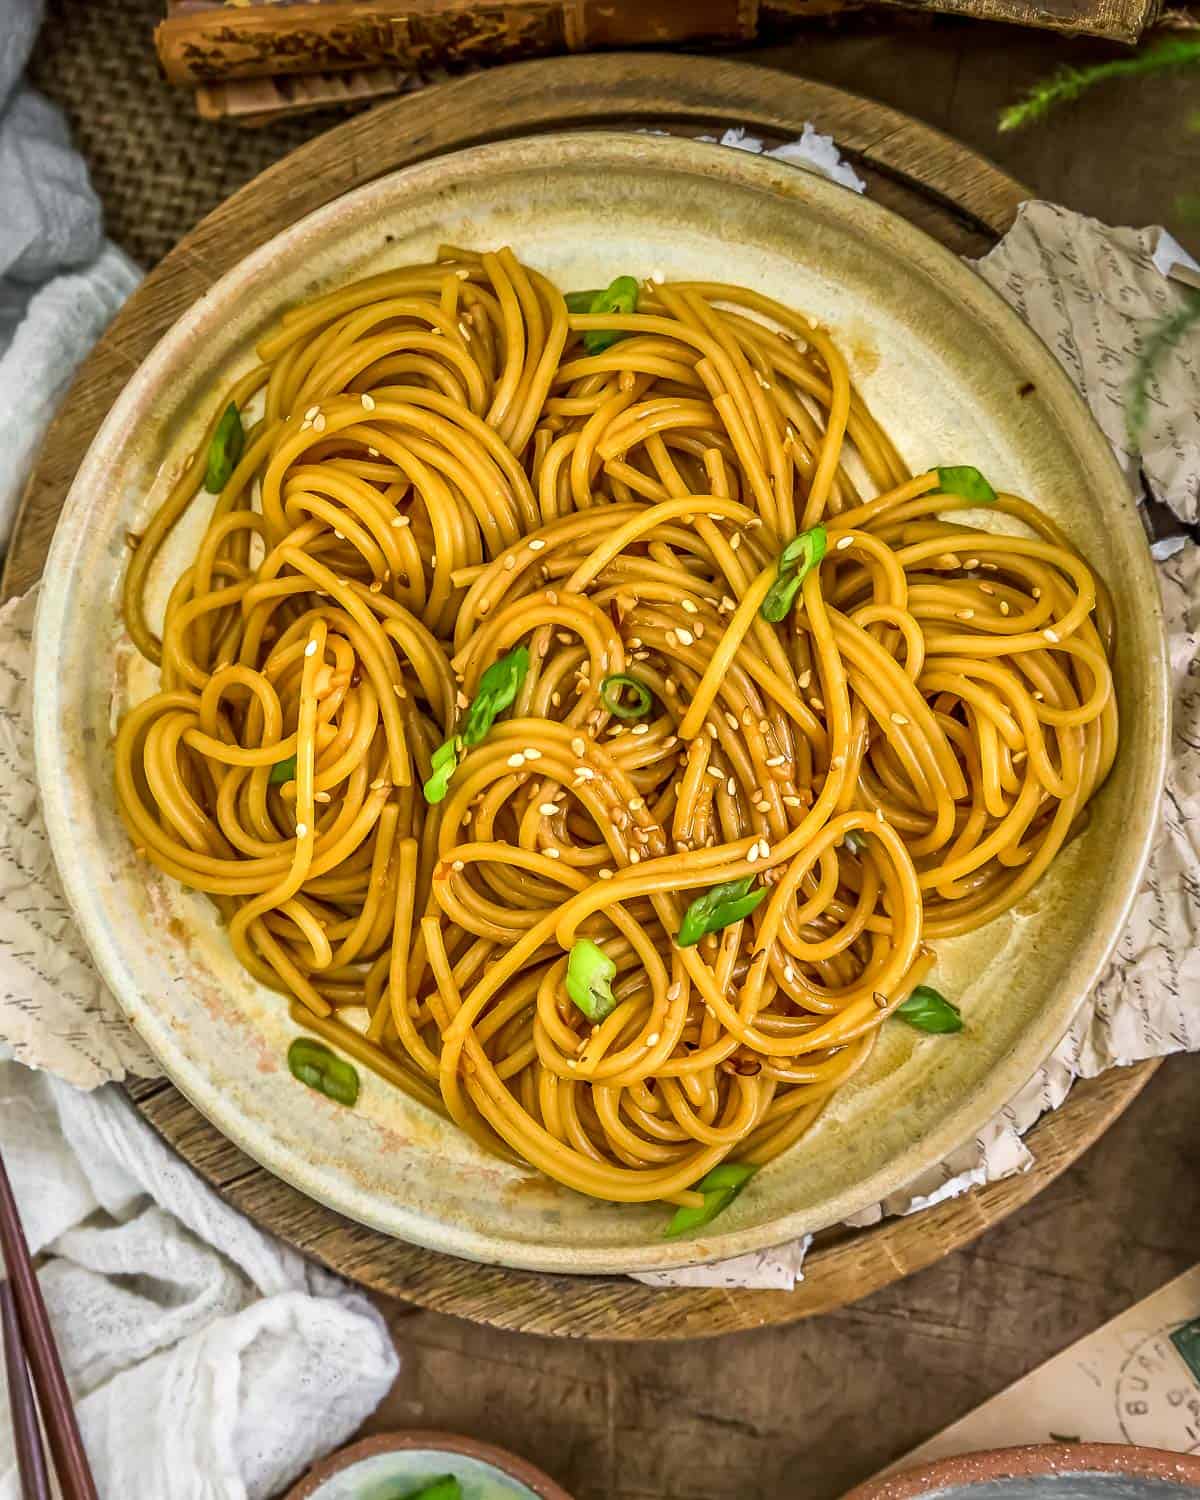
(950, 191)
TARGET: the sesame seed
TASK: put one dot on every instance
(571, 1063)
(762, 807)
(672, 638)
(1040, 696)
(313, 411)
(551, 597)
(1019, 755)
(634, 856)
(837, 762)
(652, 1039)
(585, 773)
(605, 874)
(699, 629)
(684, 637)
(688, 607)
(964, 614)
(986, 588)
(714, 771)
(379, 783)
(304, 426)
(732, 721)
(764, 848)
(374, 452)
(319, 423)
(817, 704)
(990, 567)
(803, 680)
(1037, 593)
(401, 521)
(1004, 606)
(367, 401)
(1052, 636)
(731, 787)
(727, 605)
(516, 760)
(791, 801)
(375, 586)
(325, 797)
(735, 541)
(775, 760)
(844, 542)
(971, 562)
(531, 754)
(899, 719)
(712, 730)
(556, 700)
(460, 699)
(640, 729)
(551, 853)
(341, 535)
(752, 853)
(458, 866)
(763, 726)
(747, 717)
(311, 649)
(536, 544)
(548, 809)
(301, 830)
(509, 564)
(578, 746)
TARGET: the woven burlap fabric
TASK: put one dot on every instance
(157, 167)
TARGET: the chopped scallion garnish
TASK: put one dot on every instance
(718, 908)
(590, 973)
(314, 1064)
(621, 297)
(224, 450)
(497, 690)
(720, 1187)
(928, 1010)
(796, 561)
(616, 688)
(967, 482)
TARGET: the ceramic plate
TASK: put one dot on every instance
(941, 361)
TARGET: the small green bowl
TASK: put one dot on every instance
(396, 1465)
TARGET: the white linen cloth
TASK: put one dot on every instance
(1092, 293)
(208, 1362)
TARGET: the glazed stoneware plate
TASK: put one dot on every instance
(947, 368)
(1050, 1471)
(403, 1464)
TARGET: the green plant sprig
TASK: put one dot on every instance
(1069, 83)
(1163, 337)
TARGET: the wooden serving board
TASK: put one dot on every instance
(952, 193)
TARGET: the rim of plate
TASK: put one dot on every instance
(690, 159)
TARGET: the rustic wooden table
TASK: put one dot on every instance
(805, 1410)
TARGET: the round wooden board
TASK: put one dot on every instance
(952, 193)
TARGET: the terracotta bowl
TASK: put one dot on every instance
(1051, 1471)
(402, 1463)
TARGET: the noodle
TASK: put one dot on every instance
(452, 477)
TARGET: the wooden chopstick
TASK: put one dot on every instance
(27, 1431)
(54, 1398)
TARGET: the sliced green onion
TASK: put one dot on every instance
(443, 763)
(617, 683)
(224, 450)
(581, 302)
(928, 1010)
(283, 770)
(720, 1187)
(497, 690)
(445, 1488)
(796, 562)
(855, 842)
(590, 973)
(718, 908)
(967, 482)
(620, 297)
(314, 1064)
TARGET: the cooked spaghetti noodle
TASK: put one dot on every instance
(878, 746)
